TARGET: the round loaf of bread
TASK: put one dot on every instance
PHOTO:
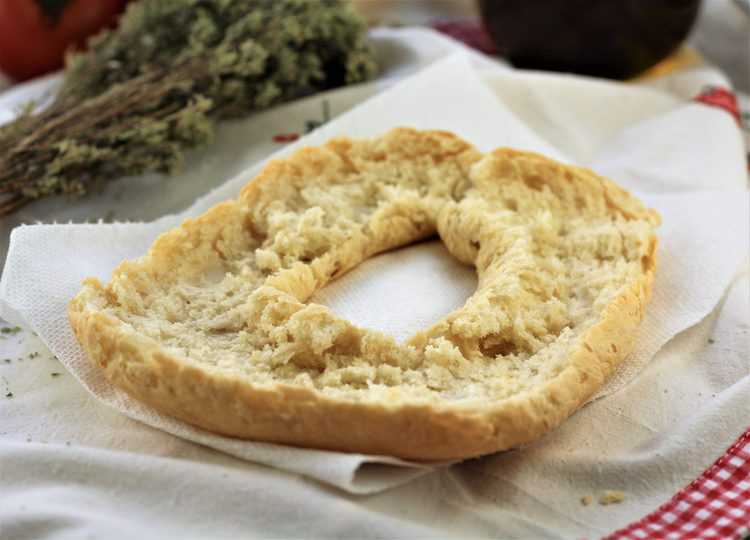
(214, 325)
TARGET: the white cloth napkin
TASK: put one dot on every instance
(703, 240)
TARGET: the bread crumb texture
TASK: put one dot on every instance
(214, 324)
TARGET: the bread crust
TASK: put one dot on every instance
(235, 405)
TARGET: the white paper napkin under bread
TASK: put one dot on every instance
(704, 237)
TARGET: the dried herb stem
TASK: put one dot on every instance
(154, 87)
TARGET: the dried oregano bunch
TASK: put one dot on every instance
(143, 93)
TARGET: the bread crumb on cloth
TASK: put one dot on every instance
(610, 496)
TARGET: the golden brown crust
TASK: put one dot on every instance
(235, 405)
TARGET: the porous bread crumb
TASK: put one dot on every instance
(554, 247)
(611, 496)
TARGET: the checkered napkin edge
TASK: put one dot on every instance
(714, 506)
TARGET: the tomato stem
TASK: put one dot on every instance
(52, 9)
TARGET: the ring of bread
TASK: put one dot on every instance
(214, 324)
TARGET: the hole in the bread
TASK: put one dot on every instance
(308, 361)
(512, 204)
(534, 182)
(390, 292)
(254, 231)
(493, 347)
(647, 263)
(613, 347)
(345, 348)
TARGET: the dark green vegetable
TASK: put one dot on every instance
(145, 92)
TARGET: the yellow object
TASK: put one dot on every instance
(684, 58)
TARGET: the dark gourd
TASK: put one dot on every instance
(606, 38)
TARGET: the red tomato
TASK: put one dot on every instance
(33, 38)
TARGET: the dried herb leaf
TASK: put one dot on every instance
(10, 329)
(154, 87)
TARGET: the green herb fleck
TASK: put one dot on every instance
(55, 374)
(711, 341)
(9, 395)
(10, 329)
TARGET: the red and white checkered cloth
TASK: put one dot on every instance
(715, 506)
